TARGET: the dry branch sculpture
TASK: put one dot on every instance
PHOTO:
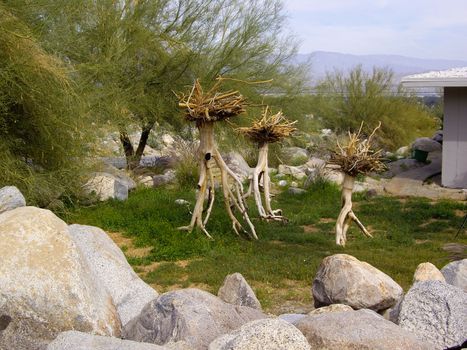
(206, 108)
(356, 157)
(268, 129)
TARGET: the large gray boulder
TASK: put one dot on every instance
(73, 340)
(46, 286)
(192, 315)
(236, 290)
(110, 267)
(106, 186)
(343, 279)
(11, 198)
(167, 177)
(455, 273)
(267, 334)
(362, 329)
(238, 165)
(427, 272)
(436, 312)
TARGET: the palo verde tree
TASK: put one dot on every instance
(42, 119)
(268, 129)
(130, 55)
(354, 158)
(206, 108)
(345, 100)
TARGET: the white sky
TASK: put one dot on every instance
(425, 29)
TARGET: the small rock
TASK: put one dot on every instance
(343, 279)
(455, 273)
(236, 290)
(192, 315)
(294, 171)
(426, 144)
(427, 272)
(293, 184)
(11, 198)
(296, 191)
(268, 334)
(362, 329)
(294, 155)
(282, 183)
(169, 176)
(182, 202)
(111, 269)
(146, 181)
(330, 308)
(326, 132)
(435, 312)
(403, 151)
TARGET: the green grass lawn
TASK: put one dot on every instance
(280, 266)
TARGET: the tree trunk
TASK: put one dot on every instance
(346, 216)
(133, 158)
(209, 156)
(261, 173)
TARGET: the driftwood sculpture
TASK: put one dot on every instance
(356, 157)
(205, 109)
(268, 129)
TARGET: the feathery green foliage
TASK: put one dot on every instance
(41, 130)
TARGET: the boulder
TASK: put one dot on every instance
(238, 165)
(268, 334)
(334, 176)
(400, 166)
(294, 155)
(46, 286)
(293, 171)
(427, 272)
(330, 308)
(106, 186)
(110, 267)
(455, 273)
(73, 340)
(343, 279)
(291, 318)
(426, 144)
(436, 312)
(11, 198)
(236, 290)
(192, 315)
(362, 329)
(168, 176)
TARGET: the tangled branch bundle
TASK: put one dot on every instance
(357, 157)
(212, 105)
(270, 128)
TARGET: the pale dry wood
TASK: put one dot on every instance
(206, 108)
(356, 157)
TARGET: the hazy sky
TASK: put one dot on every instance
(426, 29)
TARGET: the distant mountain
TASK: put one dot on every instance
(322, 62)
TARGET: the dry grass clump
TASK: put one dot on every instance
(357, 156)
(270, 128)
(212, 105)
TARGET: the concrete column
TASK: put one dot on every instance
(454, 168)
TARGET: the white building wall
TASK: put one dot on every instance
(454, 168)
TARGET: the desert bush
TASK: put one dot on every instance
(345, 101)
(42, 128)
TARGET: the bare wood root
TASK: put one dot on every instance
(233, 198)
(261, 173)
(346, 215)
